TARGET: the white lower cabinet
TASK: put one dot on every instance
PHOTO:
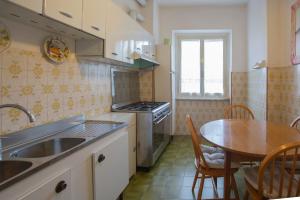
(80, 176)
(109, 164)
(57, 187)
(132, 150)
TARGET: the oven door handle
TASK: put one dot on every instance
(160, 120)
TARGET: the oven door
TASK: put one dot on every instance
(161, 134)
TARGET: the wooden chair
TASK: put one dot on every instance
(271, 180)
(295, 123)
(209, 165)
(238, 112)
(289, 164)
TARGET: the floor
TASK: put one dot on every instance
(172, 176)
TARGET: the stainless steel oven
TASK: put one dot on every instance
(153, 135)
(161, 132)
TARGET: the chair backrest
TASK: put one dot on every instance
(238, 112)
(295, 123)
(281, 183)
(196, 143)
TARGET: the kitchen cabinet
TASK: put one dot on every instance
(68, 12)
(76, 170)
(115, 27)
(34, 5)
(94, 17)
(109, 164)
(57, 187)
(132, 149)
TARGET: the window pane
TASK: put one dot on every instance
(190, 66)
(213, 66)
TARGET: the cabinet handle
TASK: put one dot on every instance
(66, 14)
(95, 28)
(62, 185)
(134, 149)
(101, 158)
(115, 54)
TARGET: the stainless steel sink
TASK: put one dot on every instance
(48, 148)
(11, 168)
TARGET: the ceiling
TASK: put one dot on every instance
(200, 2)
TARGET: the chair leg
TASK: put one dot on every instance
(195, 180)
(234, 187)
(201, 187)
(246, 195)
(216, 181)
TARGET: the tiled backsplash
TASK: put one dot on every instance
(239, 84)
(51, 92)
(284, 94)
(257, 93)
(200, 111)
(146, 85)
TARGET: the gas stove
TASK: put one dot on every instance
(145, 106)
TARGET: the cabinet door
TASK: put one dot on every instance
(57, 187)
(132, 150)
(94, 17)
(110, 169)
(66, 11)
(114, 32)
(34, 5)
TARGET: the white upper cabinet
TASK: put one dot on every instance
(115, 31)
(94, 17)
(34, 5)
(66, 11)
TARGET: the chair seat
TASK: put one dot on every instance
(210, 149)
(216, 161)
(251, 176)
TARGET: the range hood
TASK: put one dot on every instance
(143, 61)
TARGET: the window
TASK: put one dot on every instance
(201, 63)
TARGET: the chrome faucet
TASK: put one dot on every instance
(19, 107)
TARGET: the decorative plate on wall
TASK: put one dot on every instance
(56, 49)
(4, 37)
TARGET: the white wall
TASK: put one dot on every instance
(210, 17)
(279, 33)
(257, 31)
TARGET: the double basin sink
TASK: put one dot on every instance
(21, 159)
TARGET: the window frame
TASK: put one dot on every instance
(225, 36)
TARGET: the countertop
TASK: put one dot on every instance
(129, 118)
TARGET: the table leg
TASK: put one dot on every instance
(227, 175)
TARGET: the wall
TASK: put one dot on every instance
(257, 19)
(283, 77)
(50, 91)
(257, 31)
(209, 17)
(279, 33)
(200, 17)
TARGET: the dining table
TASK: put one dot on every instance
(245, 140)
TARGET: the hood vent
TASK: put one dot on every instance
(143, 61)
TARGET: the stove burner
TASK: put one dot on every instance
(142, 106)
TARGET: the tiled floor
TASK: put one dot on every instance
(172, 177)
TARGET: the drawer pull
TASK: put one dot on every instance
(115, 54)
(101, 158)
(62, 185)
(65, 14)
(95, 28)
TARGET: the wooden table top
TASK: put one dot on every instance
(248, 137)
